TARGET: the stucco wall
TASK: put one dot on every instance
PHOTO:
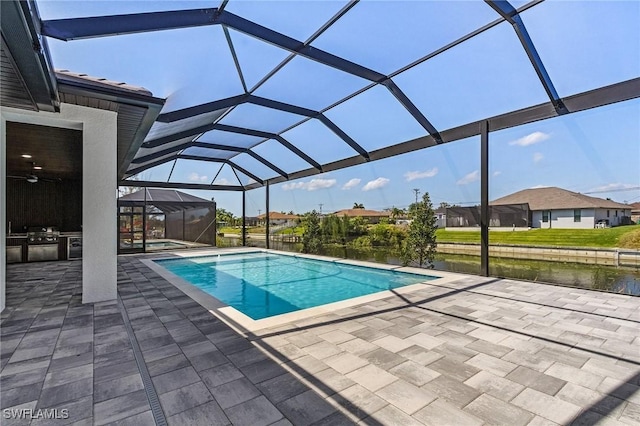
(563, 219)
(99, 193)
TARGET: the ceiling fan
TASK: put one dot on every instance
(31, 178)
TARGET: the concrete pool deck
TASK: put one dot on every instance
(469, 351)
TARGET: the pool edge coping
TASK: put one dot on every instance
(244, 324)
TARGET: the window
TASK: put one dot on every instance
(616, 213)
(577, 215)
(545, 215)
(608, 212)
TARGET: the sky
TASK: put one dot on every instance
(595, 152)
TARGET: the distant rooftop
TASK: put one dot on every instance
(556, 198)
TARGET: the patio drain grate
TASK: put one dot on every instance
(150, 390)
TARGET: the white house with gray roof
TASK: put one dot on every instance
(554, 207)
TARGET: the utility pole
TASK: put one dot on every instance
(321, 208)
(259, 211)
(417, 191)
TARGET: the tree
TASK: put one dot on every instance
(420, 244)
(396, 212)
(224, 216)
(358, 206)
(312, 236)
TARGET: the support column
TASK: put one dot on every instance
(267, 216)
(3, 211)
(244, 218)
(484, 198)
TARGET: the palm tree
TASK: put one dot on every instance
(396, 212)
(358, 206)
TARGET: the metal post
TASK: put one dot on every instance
(484, 198)
(266, 187)
(244, 218)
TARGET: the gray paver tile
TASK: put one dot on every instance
(117, 387)
(234, 393)
(493, 385)
(184, 398)
(67, 392)
(440, 412)
(175, 379)
(372, 377)
(538, 381)
(495, 411)
(451, 367)
(554, 409)
(220, 375)
(345, 362)
(391, 416)
(453, 391)
(414, 373)
(383, 358)
(60, 377)
(256, 412)
(120, 408)
(574, 375)
(405, 396)
(305, 408)
(492, 364)
(358, 401)
(141, 419)
(282, 387)
(209, 413)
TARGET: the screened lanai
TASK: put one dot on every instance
(261, 93)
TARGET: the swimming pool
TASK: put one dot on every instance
(262, 285)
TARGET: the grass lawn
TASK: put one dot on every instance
(238, 230)
(603, 238)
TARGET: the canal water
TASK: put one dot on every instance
(595, 277)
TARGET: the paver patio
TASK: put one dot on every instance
(475, 351)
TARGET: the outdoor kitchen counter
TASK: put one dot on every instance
(20, 240)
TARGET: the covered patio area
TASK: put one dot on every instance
(475, 350)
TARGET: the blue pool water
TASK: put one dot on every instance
(261, 284)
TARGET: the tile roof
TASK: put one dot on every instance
(553, 198)
(361, 213)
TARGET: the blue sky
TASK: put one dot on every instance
(594, 152)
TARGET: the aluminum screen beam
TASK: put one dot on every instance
(250, 99)
(484, 198)
(511, 15)
(79, 28)
(192, 144)
(274, 136)
(602, 96)
(178, 185)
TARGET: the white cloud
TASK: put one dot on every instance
(351, 184)
(469, 178)
(194, 177)
(375, 184)
(530, 139)
(409, 176)
(613, 187)
(497, 172)
(537, 157)
(540, 186)
(223, 181)
(312, 185)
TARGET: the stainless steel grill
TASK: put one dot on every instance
(42, 235)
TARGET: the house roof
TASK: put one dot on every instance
(360, 213)
(553, 198)
(278, 216)
(635, 207)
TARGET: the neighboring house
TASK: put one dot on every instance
(372, 216)
(441, 217)
(559, 208)
(276, 218)
(635, 212)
